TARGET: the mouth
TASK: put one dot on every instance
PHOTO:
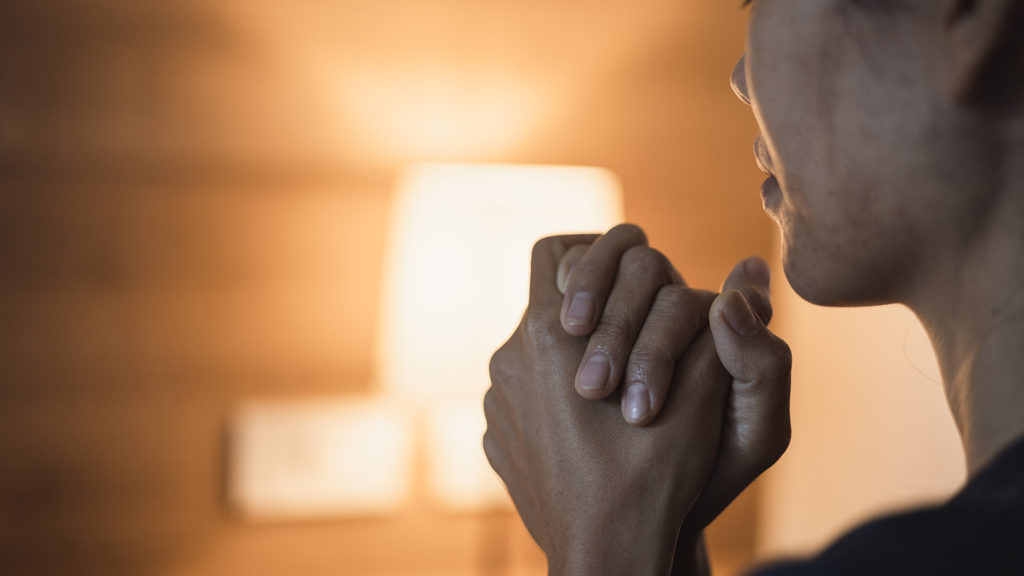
(771, 191)
(771, 194)
(763, 157)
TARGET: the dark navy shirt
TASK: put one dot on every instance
(979, 531)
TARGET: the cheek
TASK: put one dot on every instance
(843, 221)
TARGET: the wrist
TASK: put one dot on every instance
(641, 546)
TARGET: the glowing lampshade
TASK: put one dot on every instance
(456, 285)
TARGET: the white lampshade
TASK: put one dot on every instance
(457, 271)
(457, 277)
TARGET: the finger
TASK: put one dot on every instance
(757, 430)
(752, 277)
(547, 253)
(642, 272)
(697, 396)
(592, 277)
(676, 317)
(568, 262)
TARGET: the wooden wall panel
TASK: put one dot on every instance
(190, 215)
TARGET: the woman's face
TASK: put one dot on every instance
(862, 137)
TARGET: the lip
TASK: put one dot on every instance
(763, 157)
(771, 193)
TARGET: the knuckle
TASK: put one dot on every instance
(490, 402)
(630, 231)
(681, 307)
(674, 298)
(645, 261)
(490, 444)
(540, 329)
(643, 360)
(586, 272)
(543, 247)
(615, 329)
(781, 356)
(495, 367)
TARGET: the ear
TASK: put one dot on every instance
(976, 32)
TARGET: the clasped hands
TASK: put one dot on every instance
(628, 410)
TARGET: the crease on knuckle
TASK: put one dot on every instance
(679, 304)
(540, 329)
(586, 274)
(647, 360)
(644, 261)
(614, 329)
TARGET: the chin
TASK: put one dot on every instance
(826, 279)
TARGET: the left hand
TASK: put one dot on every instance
(597, 496)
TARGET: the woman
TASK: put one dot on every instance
(893, 134)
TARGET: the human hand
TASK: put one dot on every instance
(639, 315)
(756, 423)
(599, 497)
(622, 273)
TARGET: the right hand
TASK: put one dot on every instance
(598, 496)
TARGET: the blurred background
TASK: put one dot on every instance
(205, 208)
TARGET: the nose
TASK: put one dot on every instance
(739, 80)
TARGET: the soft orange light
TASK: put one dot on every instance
(320, 457)
(456, 285)
(433, 111)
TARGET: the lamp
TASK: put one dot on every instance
(456, 284)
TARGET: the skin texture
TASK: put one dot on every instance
(901, 176)
(581, 478)
(895, 132)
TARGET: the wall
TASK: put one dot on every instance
(872, 433)
(194, 202)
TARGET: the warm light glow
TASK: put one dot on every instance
(458, 477)
(456, 285)
(431, 111)
(458, 266)
(295, 459)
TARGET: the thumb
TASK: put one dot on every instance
(756, 428)
(747, 349)
(752, 277)
(760, 364)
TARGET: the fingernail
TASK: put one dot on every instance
(581, 309)
(595, 372)
(758, 270)
(739, 316)
(638, 403)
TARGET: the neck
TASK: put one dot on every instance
(973, 309)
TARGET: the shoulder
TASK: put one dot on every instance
(958, 538)
(979, 531)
